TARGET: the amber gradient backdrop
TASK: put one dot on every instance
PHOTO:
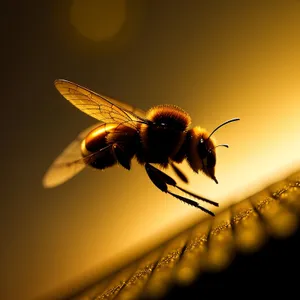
(215, 59)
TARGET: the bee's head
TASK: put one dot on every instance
(207, 154)
(202, 151)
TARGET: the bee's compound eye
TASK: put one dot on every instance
(211, 159)
(202, 150)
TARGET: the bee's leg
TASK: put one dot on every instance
(162, 180)
(170, 181)
(179, 173)
(121, 156)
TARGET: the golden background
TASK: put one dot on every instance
(215, 59)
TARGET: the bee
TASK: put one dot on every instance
(161, 136)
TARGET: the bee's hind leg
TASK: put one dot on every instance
(161, 180)
(121, 156)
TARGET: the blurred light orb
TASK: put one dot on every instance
(98, 20)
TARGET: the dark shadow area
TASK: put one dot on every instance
(271, 270)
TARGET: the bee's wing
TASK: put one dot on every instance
(100, 107)
(68, 163)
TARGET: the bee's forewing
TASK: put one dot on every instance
(100, 107)
(68, 163)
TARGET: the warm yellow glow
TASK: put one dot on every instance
(185, 275)
(250, 233)
(101, 130)
(98, 19)
(215, 60)
(264, 93)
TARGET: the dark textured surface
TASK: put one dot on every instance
(252, 245)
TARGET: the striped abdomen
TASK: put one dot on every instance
(98, 147)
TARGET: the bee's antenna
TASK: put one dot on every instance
(226, 122)
(222, 145)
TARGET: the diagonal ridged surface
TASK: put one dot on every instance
(208, 247)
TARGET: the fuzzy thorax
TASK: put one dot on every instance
(165, 135)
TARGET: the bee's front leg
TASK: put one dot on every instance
(179, 173)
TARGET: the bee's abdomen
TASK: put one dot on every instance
(98, 146)
(96, 150)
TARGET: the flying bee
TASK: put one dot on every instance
(160, 136)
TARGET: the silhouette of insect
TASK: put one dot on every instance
(160, 136)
